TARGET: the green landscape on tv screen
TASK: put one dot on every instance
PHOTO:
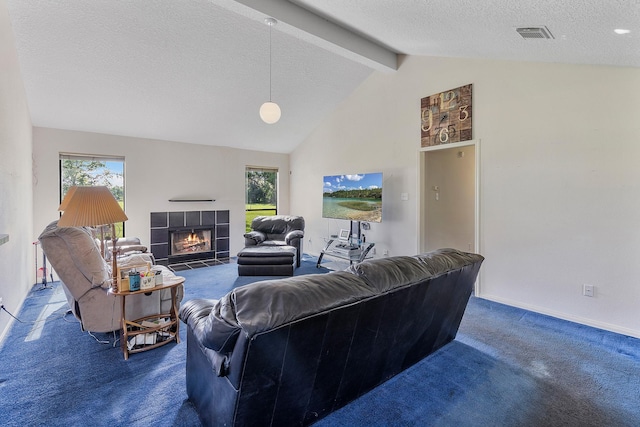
(353, 197)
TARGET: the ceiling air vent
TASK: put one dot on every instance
(535, 33)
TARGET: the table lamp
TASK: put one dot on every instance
(63, 207)
(65, 201)
(92, 207)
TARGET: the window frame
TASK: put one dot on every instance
(248, 215)
(89, 158)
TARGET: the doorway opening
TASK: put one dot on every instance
(449, 197)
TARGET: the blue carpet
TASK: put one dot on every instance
(507, 367)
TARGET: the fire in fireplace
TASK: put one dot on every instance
(190, 241)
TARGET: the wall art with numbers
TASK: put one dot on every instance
(446, 117)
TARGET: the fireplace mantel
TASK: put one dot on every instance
(191, 200)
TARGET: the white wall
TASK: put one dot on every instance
(559, 185)
(17, 271)
(156, 171)
(450, 211)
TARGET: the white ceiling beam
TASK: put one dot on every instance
(319, 31)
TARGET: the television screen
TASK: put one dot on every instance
(353, 197)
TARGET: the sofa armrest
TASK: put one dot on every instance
(295, 234)
(212, 322)
(196, 313)
(254, 238)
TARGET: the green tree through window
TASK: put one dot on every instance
(261, 193)
(93, 170)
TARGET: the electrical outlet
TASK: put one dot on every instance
(385, 252)
(0, 301)
(373, 251)
(588, 290)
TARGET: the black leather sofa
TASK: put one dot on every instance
(290, 351)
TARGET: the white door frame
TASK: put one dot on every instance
(422, 191)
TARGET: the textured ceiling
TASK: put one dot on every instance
(197, 71)
(583, 29)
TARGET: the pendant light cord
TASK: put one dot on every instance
(270, 29)
(270, 111)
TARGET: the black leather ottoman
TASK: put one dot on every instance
(266, 261)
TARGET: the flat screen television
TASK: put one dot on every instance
(353, 197)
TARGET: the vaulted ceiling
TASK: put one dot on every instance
(197, 71)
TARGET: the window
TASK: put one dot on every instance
(77, 169)
(261, 193)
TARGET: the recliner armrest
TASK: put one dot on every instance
(124, 249)
(125, 241)
(295, 234)
(135, 259)
(254, 238)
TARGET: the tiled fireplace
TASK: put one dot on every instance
(185, 236)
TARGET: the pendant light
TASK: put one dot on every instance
(270, 111)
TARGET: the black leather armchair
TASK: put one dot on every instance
(277, 230)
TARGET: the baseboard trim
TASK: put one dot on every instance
(12, 320)
(564, 316)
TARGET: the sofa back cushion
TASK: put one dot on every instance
(266, 305)
(386, 274)
(276, 227)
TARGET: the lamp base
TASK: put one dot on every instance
(114, 261)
